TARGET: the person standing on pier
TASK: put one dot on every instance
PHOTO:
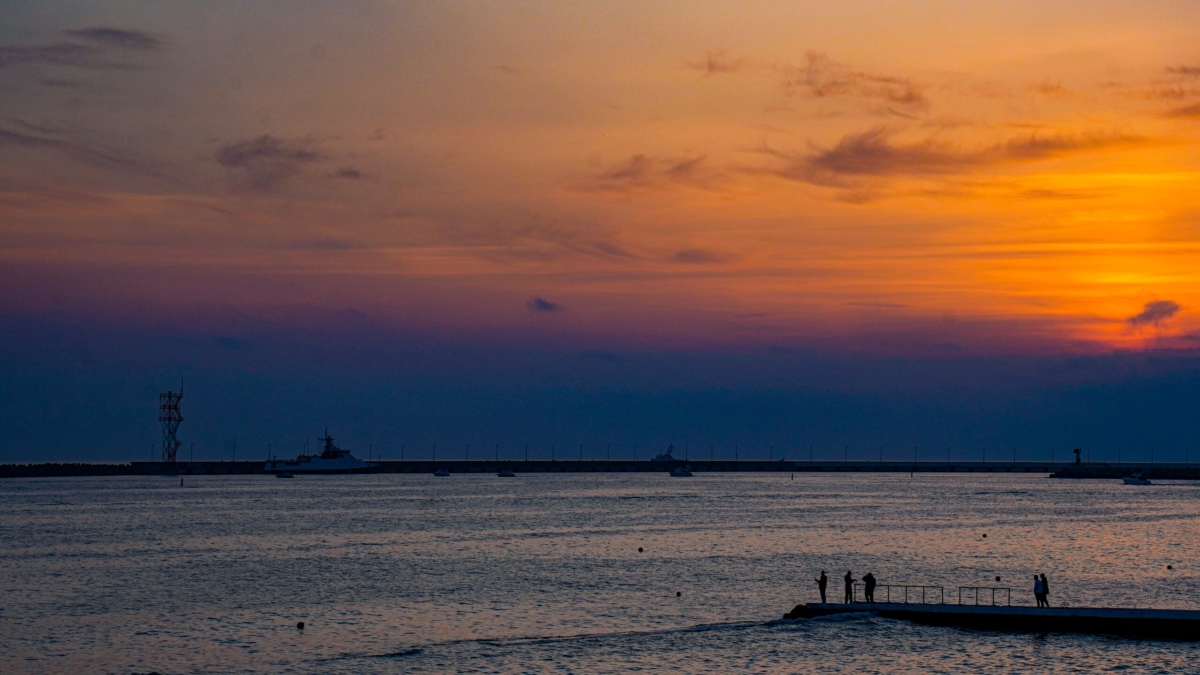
(1045, 591)
(822, 582)
(869, 587)
(1037, 590)
(850, 581)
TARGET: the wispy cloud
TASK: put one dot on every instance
(1188, 72)
(266, 162)
(877, 153)
(642, 172)
(1192, 110)
(717, 62)
(349, 173)
(100, 48)
(544, 306)
(1051, 89)
(699, 255)
(38, 137)
(134, 40)
(822, 77)
(1154, 313)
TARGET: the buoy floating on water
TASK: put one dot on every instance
(639, 549)
(300, 625)
(678, 593)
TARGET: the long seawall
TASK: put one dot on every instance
(1170, 624)
(457, 466)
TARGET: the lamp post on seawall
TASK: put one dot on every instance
(497, 452)
(401, 452)
(985, 454)
(552, 449)
(608, 453)
(435, 452)
(581, 452)
(771, 453)
(735, 452)
(467, 453)
(685, 452)
(881, 454)
(711, 452)
(526, 452)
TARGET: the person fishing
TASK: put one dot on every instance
(869, 587)
(822, 582)
(850, 580)
(1045, 591)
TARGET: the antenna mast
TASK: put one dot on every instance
(169, 415)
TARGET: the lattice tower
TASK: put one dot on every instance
(169, 415)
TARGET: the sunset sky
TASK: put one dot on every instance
(914, 220)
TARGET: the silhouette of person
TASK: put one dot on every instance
(869, 587)
(1037, 590)
(1045, 591)
(850, 587)
(822, 582)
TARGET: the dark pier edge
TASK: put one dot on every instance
(1159, 624)
(699, 466)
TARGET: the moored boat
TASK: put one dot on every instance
(332, 459)
(665, 456)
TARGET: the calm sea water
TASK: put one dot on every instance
(542, 573)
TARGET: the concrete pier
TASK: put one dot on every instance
(698, 466)
(1166, 624)
(537, 466)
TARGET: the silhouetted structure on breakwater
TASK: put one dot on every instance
(1169, 624)
(1056, 470)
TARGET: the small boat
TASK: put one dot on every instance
(681, 472)
(284, 474)
(1137, 479)
(507, 473)
(442, 472)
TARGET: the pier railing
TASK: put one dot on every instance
(973, 593)
(907, 590)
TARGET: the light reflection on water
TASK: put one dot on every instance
(542, 573)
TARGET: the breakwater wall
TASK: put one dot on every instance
(468, 466)
(1170, 624)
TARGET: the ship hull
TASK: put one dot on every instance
(317, 465)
